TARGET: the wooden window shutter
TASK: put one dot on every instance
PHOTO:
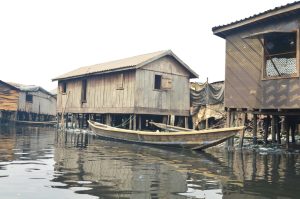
(166, 83)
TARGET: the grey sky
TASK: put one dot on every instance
(40, 40)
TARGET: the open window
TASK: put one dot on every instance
(83, 91)
(162, 82)
(64, 87)
(29, 98)
(157, 82)
(280, 54)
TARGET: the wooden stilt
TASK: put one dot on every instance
(186, 122)
(273, 129)
(130, 122)
(66, 120)
(278, 130)
(228, 117)
(140, 122)
(134, 122)
(266, 128)
(243, 132)
(293, 129)
(254, 129)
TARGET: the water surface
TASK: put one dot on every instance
(43, 163)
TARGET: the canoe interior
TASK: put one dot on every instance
(187, 139)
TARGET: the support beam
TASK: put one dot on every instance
(266, 128)
(140, 122)
(254, 129)
(130, 122)
(228, 118)
(273, 128)
(134, 122)
(186, 122)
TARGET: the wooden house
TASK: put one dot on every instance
(262, 67)
(26, 103)
(129, 92)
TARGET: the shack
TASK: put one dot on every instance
(262, 69)
(26, 103)
(127, 93)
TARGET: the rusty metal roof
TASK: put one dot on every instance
(122, 64)
(26, 88)
(289, 8)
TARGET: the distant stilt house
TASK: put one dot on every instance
(262, 69)
(26, 103)
(128, 93)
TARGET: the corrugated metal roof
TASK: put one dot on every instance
(122, 64)
(27, 88)
(295, 4)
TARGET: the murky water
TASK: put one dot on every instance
(42, 163)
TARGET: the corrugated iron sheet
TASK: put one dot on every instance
(257, 15)
(109, 66)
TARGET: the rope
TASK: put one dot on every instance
(126, 121)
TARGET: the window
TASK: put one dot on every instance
(120, 82)
(83, 90)
(29, 98)
(157, 82)
(280, 55)
(64, 87)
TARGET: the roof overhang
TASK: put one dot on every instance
(133, 67)
(259, 35)
(289, 9)
(9, 85)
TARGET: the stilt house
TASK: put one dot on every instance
(128, 92)
(262, 66)
(28, 103)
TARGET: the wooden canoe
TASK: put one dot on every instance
(36, 123)
(196, 140)
(169, 127)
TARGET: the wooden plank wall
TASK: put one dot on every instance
(8, 98)
(42, 103)
(244, 83)
(174, 101)
(103, 94)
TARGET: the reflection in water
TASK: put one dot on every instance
(77, 165)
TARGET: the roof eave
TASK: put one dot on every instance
(220, 31)
(95, 73)
(169, 52)
(9, 85)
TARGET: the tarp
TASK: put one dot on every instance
(208, 94)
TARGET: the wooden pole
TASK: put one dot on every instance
(228, 117)
(140, 122)
(134, 122)
(186, 122)
(273, 129)
(130, 122)
(254, 129)
(266, 128)
(242, 132)
(279, 128)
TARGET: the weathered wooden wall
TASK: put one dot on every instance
(174, 101)
(42, 103)
(8, 98)
(244, 83)
(137, 95)
(103, 95)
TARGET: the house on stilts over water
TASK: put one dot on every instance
(26, 103)
(127, 93)
(262, 70)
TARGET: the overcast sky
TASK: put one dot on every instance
(40, 40)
